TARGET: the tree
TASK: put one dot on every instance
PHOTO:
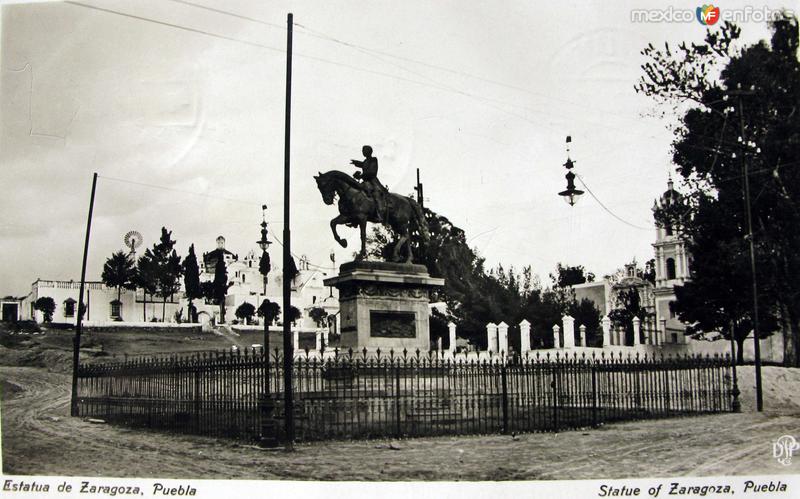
(146, 279)
(165, 268)
(46, 306)
(269, 311)
(724, 94)
(245, 312)
(119, 272)
(586, 314)
(219, 287)
(264, 267)
(191, 282)
(566, 275)
(318, 315)
(294, 314)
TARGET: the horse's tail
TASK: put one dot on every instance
(422, 224)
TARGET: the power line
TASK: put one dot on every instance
(182, 191)
(434, 84)
(608, 210)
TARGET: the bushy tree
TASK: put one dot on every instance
(738, 107)
(269, 310)
(46, 306)
(294, 314)
(119, 272)
(245, 312)
(318, 315)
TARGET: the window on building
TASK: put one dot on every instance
(116, 309)
(69, 307)
(243, 280)
(670, 268)
(671, 312)
(668, 229)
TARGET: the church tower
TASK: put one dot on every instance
(672, 268)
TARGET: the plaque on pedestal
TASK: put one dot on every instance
(384, 305)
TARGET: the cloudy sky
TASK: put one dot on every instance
(478, 95)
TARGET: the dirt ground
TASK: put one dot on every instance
(38, 437)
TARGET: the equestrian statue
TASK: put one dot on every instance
(362, 198)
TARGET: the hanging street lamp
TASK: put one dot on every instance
(570, 194)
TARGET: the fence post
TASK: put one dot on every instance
(606, 323)
(396, 398)
(554, 386)
(594, 394)
(505, 397)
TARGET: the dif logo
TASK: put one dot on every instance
(707, 15)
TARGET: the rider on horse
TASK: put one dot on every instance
(370, 183)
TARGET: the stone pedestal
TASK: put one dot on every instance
(384, 305)
(524, 336)
(451, 331)
(569, 331)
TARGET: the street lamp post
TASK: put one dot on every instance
(570, 194)
(268, 436)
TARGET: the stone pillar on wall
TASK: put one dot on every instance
(663, 330)
(569, 331)
(318, 340)
(491, 337)
(296, 340)
(620, 336)
(556, 336)
(637, 329)
(502, 338)
(451, 330)
(606, 323)
(582, 330)
(524, 336)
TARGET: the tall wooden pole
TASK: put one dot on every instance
(288, 347)
(750, 238)
(76, 342)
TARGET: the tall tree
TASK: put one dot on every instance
(119, 272)
(167, 266)
(191, 282)
(146, 279)
(738, 108)
(264, 267)
(220, 285)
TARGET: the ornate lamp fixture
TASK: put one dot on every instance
(570, 194)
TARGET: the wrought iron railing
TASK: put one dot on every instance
(361, 395)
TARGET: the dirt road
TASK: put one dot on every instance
(38, 437)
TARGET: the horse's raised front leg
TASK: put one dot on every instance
(341, 219)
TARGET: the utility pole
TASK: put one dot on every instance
(288, 347)
(76, 342)
(750, 238)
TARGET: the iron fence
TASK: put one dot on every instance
(358, 395)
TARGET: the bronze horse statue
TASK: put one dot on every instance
(356, 208)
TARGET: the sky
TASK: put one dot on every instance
(186, 129)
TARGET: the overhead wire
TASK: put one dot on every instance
(434, 84)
